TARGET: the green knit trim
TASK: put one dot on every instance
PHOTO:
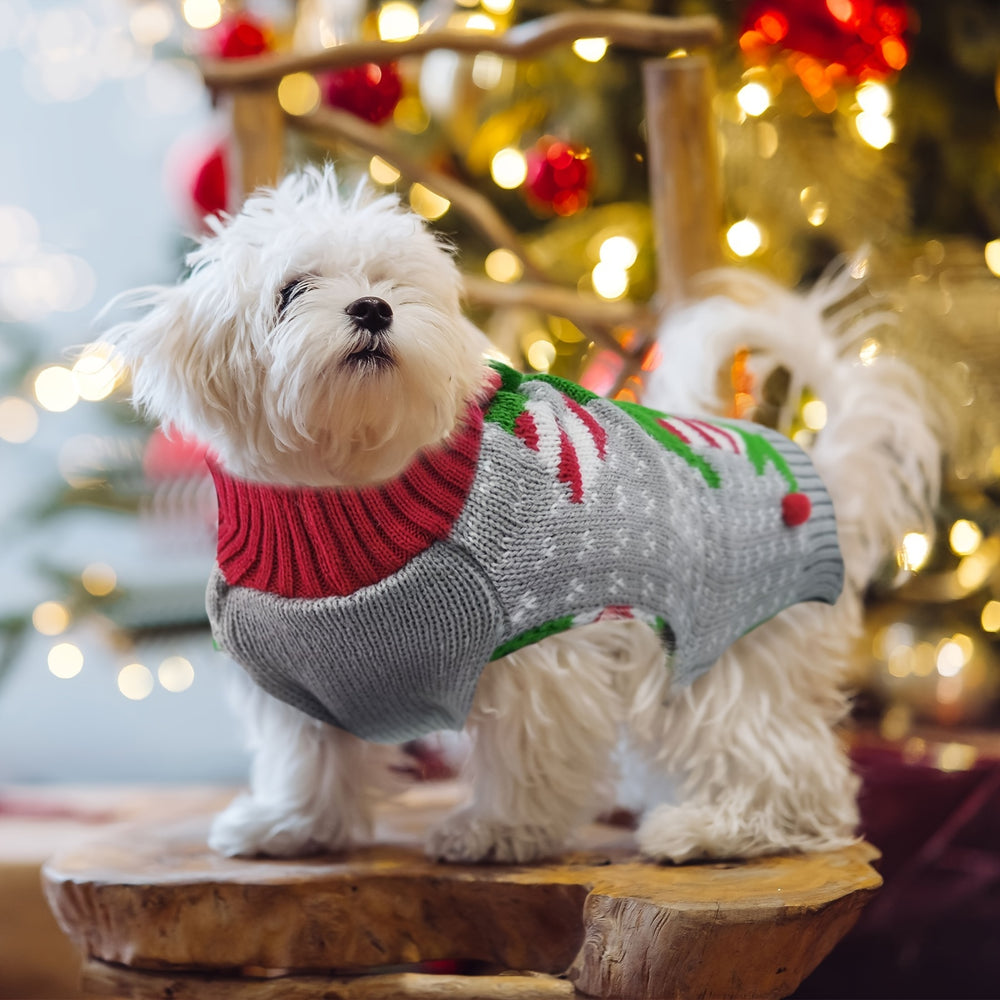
(510, 379)
(535, 634)
(647, 420)
(505, 409)
(508, 403)
(760, 451)
(575, 392)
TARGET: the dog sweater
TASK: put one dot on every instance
(376, 609)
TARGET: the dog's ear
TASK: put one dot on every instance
(187, 370)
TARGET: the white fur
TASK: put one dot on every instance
(749, 749)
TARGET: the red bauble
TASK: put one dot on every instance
(859, 39)
(173, 457)
(239, 36)
(210, 185)
(368, 91)
(559, 176)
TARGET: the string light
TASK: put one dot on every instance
(480, 22)
(18, 420)
(754, 98)
(202, 13)
(874, 129)
(950, 659)
(914, 550)
(398, 21)
(618, 251)
(411, 116)
(814, 414)
(50, 618)
(540, 354)
(498, 6)
(65, 660)
(175, 674)
(487, 70)
(99, 579)
(609, 281)
(55, 389)
(426, 203)
(816, 208)
(990, 618)
(508, 168)
(992, 253)
(874, 97)
(502, 265)
(151, 22)
(591, 49)
(298, 93)
(964, 537)
(135, 681)
(745, 238)
(382, 172)
(97, 373)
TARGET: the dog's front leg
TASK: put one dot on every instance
(544, 728)
(308, 790)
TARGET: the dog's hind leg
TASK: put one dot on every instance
(759, 766)
(544, 727)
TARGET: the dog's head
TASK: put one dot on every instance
(317, 341)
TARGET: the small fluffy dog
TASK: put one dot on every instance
(318, 347)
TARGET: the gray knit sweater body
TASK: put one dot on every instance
(579, 510)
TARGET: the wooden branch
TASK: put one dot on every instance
(327, 123)
(585, 311)
(684, 175)
(644, 32)
(258, 125)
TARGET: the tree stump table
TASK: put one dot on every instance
(159, 915)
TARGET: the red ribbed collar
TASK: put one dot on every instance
(300, 542)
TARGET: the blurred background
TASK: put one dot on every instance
(855, 127)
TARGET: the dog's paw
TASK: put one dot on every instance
(466, 837)
(247, 828)
(687, 833)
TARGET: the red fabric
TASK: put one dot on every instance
(300, 542)
(525, 429)
(597, 432)
(569, 468)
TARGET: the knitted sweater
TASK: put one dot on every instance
(377, 609)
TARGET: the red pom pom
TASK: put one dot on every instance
(559, 176)
(239, 36)
(368, 91)
(795, 509)
(210, 186)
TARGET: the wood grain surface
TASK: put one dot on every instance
(156, 898)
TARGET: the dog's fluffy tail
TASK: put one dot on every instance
(879, 450)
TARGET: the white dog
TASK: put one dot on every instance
(319, 349)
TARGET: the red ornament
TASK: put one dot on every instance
(859, 39)
(369, 91)
(173, 457)
(559, 175)
(210, 185)
(238, 37)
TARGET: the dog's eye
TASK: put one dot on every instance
(292, 291)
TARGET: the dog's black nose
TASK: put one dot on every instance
(370, 313)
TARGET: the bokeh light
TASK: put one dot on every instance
(135, 681)
(65, 660)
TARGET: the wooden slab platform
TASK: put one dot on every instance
(160, 915)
